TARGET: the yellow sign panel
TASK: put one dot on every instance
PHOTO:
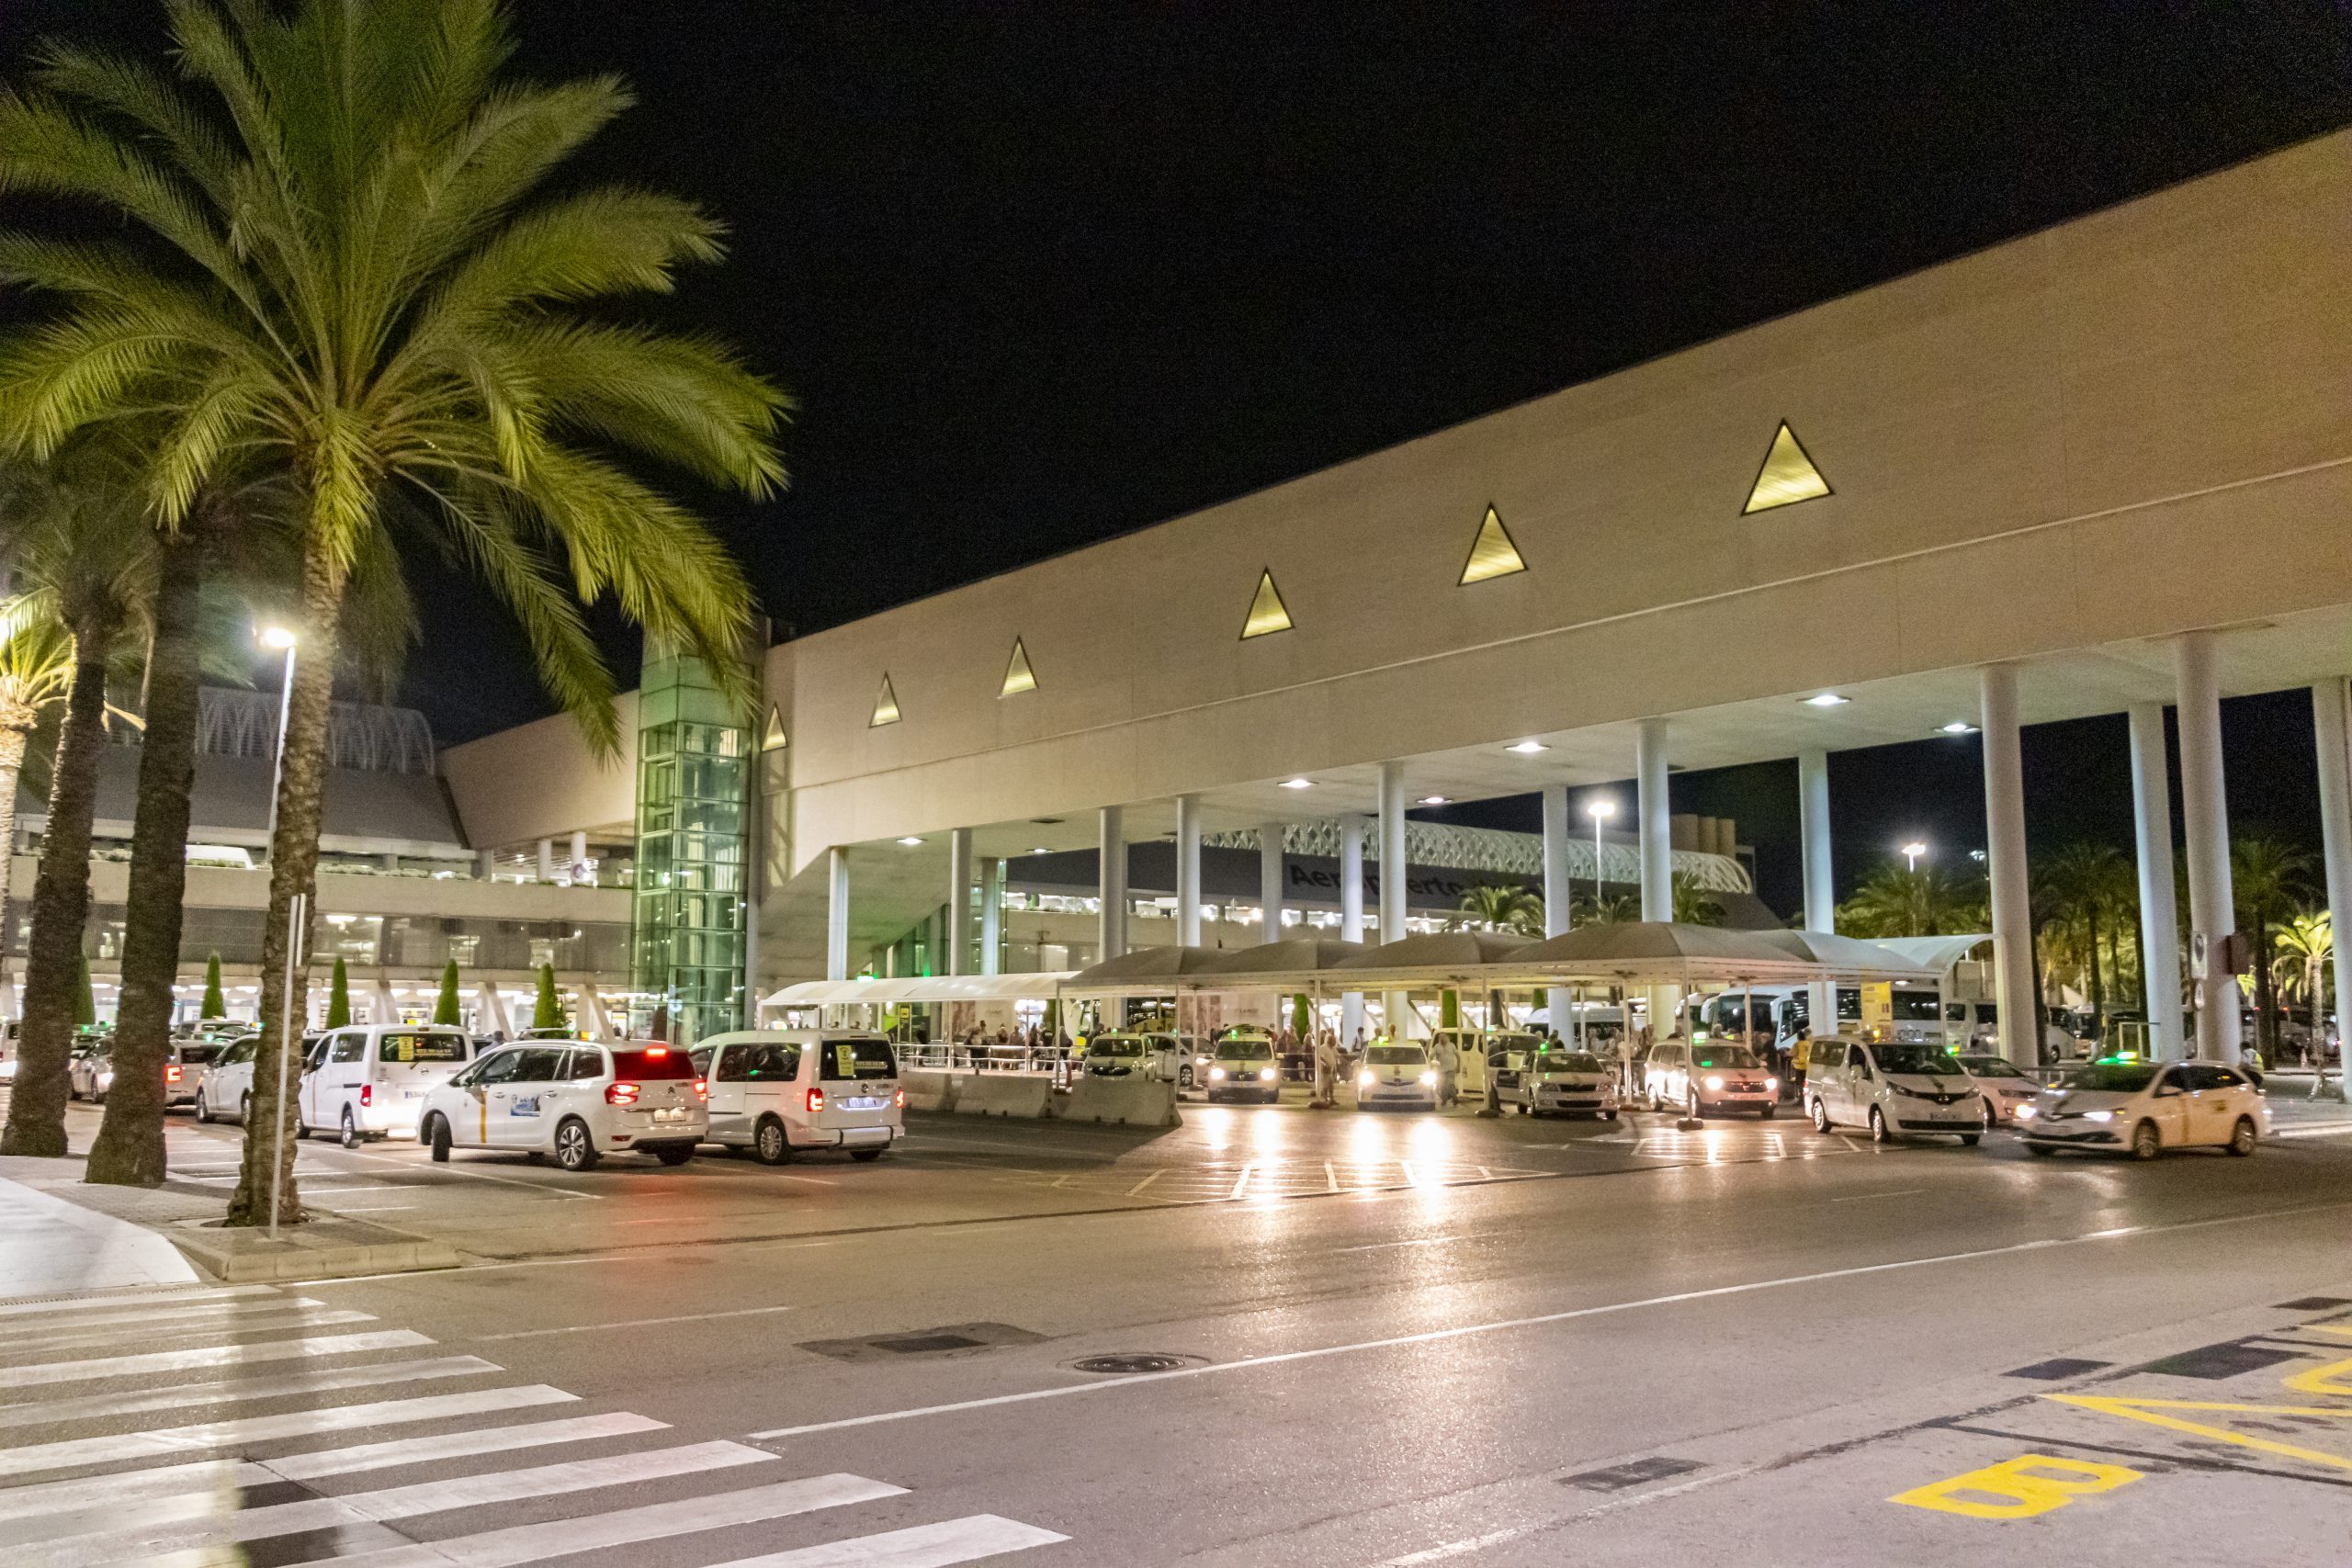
(1878, 1011)
(1787, 477)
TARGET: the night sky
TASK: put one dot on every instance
(1043, 273)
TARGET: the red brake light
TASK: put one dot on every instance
(171, 1073)
(620, 1092)
(901, 1097)
(657, 1050)
(816, 1099)
(366, 1094)
(702, 1088)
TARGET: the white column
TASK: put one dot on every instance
(2332, 717)
(959, 902)
(2205, 812)
(485, 866)
(837, 914)
(1650, 812)
(1820, 887)
(991, 912)
(1111, 885)
(1392, 903)
(579, 852)
(546, 860)
(1188, 870)
(1559, 889)
(2159, 919)
(1350, 917)
(1270, 881)
(2013, 979)
(490, 1009)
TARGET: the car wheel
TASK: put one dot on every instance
(1609, 1116)
(769, 1145)
(1524, 1109)
(674, 1154)
(574, 1150)
(1878, 1125)
(2242, 1137)
(2040, 1151)
(1820, 1117)
(1968, 1140)
(1691, 1109)
(868, 1155)
(2146, 1142)
(203, 1110)
(1985, 1107)
(349, 1137)
(438, 1134)
(1766, 1111)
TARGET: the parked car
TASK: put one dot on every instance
(1566, 1082)
(185, 1063)
(2006, 1089)
(1243, 1063)
(2147, 1108)
(1894, 1088)
(578, 1103)
(369, 1080)
(1508, 1054)
(89, 1071)
(1122, 1055)
(1693, 1077)
(227, 1088)
(1396, 1074)
(776, 1092)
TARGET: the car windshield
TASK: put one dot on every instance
(1991, 1067)
(1914, 1059)
(1724, 1056)
(1243, 1050)
(853, 1059)
(2111, 1077)
(1396, 1056)
(421, 1048)
(1917, 1007)
(197, 1052)
(1572, 1062)
(653, 1062)
(1116, 1045)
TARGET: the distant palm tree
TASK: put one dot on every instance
(2266, 876)
(2306, 943)
(1501, 906)
(1621, 908)
(1897, 901)
(2093, 885)
(36, 670)
(1693, 904)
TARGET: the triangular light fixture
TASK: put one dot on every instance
(1788, 477)
(885, 706)
(1493, 554)
(1018, 676)
(1267, 613)
(774, 739)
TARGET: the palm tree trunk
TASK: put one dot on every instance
(293, 868)
(2266, 1000)
(130, 1150)
(2098, 986)
(12, 764)
(61, 909)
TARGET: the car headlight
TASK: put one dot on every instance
(2098, 1115)
(1715, 1080)
(1217, 1072)
(1428, 1079)
(1772, 1086)
(1265, 1075)
(2027, 1112)
(1367, 1078)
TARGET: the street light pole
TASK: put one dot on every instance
(1601, 811)
(278, 638)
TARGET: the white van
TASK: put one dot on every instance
(1896, 1088)
(369, 1080)
(777, 1090)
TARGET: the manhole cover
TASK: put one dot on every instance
(923, 1344)
(945, 1340)
(1132, 1362)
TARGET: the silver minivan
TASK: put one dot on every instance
(1896, 1088)
(779, 1091)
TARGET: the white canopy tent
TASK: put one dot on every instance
(1040, 986)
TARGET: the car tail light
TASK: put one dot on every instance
(816, 1101)
(899, 1098)
(366, 1094)
(657, 1052)
(621, 1093)
(702, 1088)
(171, 1073)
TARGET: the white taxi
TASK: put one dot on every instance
(1570, 1083)
(2147, 1108)
(2005, 1087)
(577, 1101)
(1397, 1073)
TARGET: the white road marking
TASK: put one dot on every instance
(213, 1356)
(77, 1306)
(546, 1189)
(127, 1486)
(1136, 1191)
(202, 1313)
(170, 1442)
(1437, 1335)
(401, 1502)
(454, 1445)
(1242, 1182)
(1449, 1550)
(146, 1334)
(188, 1395)
(1330, 1178)
(1384, 1245)
(624, 1527)
(1868, 1196)
(925, 1546)
(629, 1323)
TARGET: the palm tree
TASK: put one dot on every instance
(2266, 876)
(1617, 909)
(68, 534)
(1693, 904)
(1501, 906)
(1897, 901)
(2306, 943)
(2089, 881)
(345, 266)
(36, 669)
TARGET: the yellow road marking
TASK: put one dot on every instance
(2025, 1482)
(2146, 1410)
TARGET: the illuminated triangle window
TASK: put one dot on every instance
(1493, 554)
(1267, 613)
(1018, 676)
(885, 706)
(774, 739)
(1788, 478)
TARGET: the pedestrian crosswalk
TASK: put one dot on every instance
(362, 1463)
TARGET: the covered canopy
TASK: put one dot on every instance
(1299, 955)
(1851, 958)
(1936, 953)
(1148, 971)
(1429, 960)
(920, 988)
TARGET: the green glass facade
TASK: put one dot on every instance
(693, 755)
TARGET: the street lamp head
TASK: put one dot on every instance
(275, 639)
(1601, 807)
(1914, 850)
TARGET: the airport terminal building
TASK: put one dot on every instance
(2106, 467)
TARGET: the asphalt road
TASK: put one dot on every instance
(1366, 1340)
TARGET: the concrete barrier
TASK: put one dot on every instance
(1025, 1095)
(930, 1088)
(1127, 1103)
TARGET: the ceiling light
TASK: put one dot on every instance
(1039, 850)
(1960, 727)
(911, 843)
(1298, 783)
(1825, 700)
(1434, 800)
(1528, 748)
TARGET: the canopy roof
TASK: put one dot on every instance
(1433, 958)
(1936, 953)
(920, 988)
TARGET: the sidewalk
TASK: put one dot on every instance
(50, 1247)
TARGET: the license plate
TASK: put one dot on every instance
(864, 1102)
(413, 1094)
